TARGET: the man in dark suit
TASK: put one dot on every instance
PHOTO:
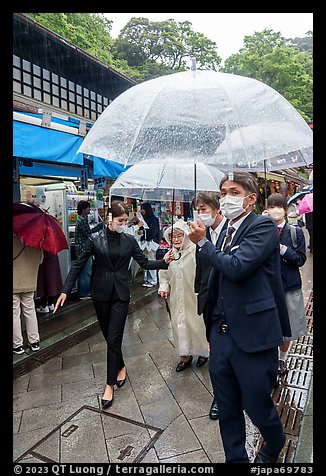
(247, 319)
(208, 206)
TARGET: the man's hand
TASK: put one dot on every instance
(197, 231)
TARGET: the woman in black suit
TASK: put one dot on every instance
(112, 250)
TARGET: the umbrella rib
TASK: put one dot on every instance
(136, 135)
(237, 121)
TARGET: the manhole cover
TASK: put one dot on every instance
(92, 436)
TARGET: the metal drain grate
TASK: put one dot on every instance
(93, 436)
(291, 395)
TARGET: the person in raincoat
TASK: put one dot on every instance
(177, 284)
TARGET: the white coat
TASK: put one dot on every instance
(188, 328)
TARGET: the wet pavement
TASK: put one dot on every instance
(158, 415)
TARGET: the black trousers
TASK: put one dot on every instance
(112, 316)
(244, 381)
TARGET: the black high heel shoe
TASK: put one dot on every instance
(107, 403)
(120, 383)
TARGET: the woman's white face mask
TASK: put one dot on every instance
(118, 227)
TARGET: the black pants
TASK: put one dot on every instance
(112, 316)
(244, 381)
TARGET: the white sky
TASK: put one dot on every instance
(227, 29)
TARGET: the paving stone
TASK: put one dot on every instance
(197, 457)
(83, 359)
(52, 365)
(36, 398)
(24, 441)
(79, 373)
(178, 438)
(208, 433)
(81, 389)
(125, 404)
(17, 416)
(54, 414)
(151, 457)
(76, 448)
(162, 414)
(184, 384)
(80, 348)
(20, 384)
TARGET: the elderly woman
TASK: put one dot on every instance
(177, 284)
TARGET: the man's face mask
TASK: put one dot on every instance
(207, 219)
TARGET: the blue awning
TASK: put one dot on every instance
(107, 168)
(40, 143)
(40, 169)
(45, 146)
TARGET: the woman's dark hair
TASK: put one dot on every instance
(148, 209)
(119, 208)
(209, 198)
(277, 200)
(82, 205)
(245, 179)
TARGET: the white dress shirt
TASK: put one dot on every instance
(216, 233)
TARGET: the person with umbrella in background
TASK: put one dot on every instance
(26, 261)
(208, 207)
(247, 318)
(49, 280)
(177, 285)
(112, 250)
(34, 230)
(293, 256)
(306, 208)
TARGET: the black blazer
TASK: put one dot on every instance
(105, 276)
(203, 270)
(249, 285)
(292, 259)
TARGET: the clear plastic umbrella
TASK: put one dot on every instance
(170, 180)
(208, 117)
(161, 180)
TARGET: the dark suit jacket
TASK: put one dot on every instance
(203, 270)
(105, 276)
(292, 259)
(248, 284)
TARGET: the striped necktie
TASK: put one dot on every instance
(229, 232)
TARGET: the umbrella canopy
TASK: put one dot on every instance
(158, 180)
(297, 195)
(306, 204)
(37, 228)
(207, 117)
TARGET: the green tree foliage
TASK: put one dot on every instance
(270, 58)
(156, 48)
(89, 31)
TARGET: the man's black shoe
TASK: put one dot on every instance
(265, 458)
(213, 412)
